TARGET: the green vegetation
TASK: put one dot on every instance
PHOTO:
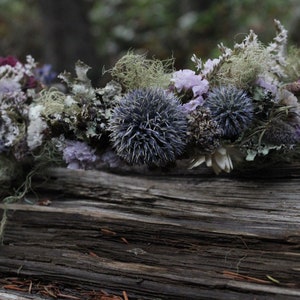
(163, 29)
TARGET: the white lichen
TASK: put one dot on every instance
(36, 127)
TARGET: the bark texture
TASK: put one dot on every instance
(161, 237)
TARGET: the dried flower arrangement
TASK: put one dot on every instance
(237, 108)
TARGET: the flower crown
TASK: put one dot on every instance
(240, 107)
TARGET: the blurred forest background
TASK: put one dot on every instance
(99, 32)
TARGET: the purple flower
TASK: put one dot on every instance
(45, 74)
(209, 66)
(187, 80)
(30, 82)
(201, 88)
(8, 86)
(280, 132)
(192, 105)
(8, 60)
(78, 155)
(266, 85)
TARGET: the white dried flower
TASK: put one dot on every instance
(197, 61)
(277, 51)
(30, 65)
(219, 161)
(36, 127)
(69, 101)
(250, 40)
(9, 130)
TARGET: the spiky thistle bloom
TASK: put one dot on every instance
(148, 127)
(282, 133)
(203, 131)
(283, 128)
(231, 108)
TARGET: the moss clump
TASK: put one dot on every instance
(292, 68)
(56, 103)
(135, 71)
(243, 66)
(60, 111)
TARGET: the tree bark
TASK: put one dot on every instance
(166, 237)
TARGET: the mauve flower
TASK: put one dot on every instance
(78, 155)
(45, 74)
(8, 85)
(192, 105)
(266, 85)
(30, 82)
(187, 80)
(8, 60)
(201, 88)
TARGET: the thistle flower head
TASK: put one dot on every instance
(290, 101)
(202, 130)
(284, 127)
(148, 127)
(231, 108)
(282, 133)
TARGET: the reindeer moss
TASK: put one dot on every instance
(54, 103)
(136, 71)
(243, 66)
(292, 69)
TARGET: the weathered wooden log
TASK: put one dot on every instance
(160, 237)
(16, 296)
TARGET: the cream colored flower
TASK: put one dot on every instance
(219, 160)
(36, 126)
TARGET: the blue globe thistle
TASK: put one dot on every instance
(280, 132)
(231, 108)
(148, 127)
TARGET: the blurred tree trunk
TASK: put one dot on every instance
(194, 38)
(192, 5)
(67, 34)
(294, 28)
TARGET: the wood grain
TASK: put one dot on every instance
(160, 237)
